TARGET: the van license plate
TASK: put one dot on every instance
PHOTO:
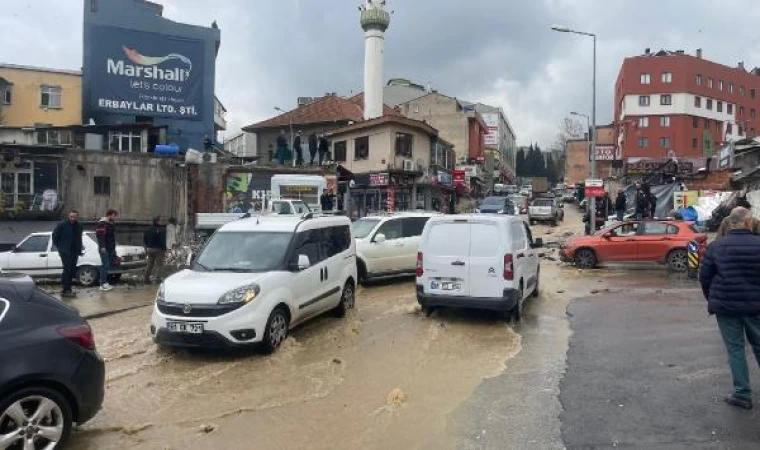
(445, 286)
(185, 327)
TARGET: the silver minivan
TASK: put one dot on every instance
(477, 261)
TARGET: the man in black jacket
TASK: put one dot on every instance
(67, 238)
(154, 239)
(621, 205)
(106, 234)
(298, 149)
(731, 283)
(324, 148)
(313, 143)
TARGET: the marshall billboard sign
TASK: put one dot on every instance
(145, 74)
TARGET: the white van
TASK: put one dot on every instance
(477, 261)
(255, 279)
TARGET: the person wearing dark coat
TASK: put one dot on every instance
(105, 231)
(282, 148)
(154, 240)
(67, 239)
(325, 201)
(313, 144)
(731, 285)
(641, 201)
(621, 205)
(298, 149)
(324, 147)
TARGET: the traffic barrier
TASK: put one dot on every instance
(693, 259)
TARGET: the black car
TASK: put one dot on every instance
(50, 374)
(496, 205)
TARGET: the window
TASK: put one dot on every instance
(731, 88)
(695, 121)
(335, 240)
(53, 137)
(667, 77)
(694, 143)
(665, 142)
(7, 94)
(307, 243)
(643, 122)
(643, 100)
(646, 78)
(363, 227)
(665, 121)
(742, 92)
(361, 148)
(50, 96)
(707, 124)
(697, 102)
(654, 228)
(413, 226)
(729, 128)
(752, 113)
(720, 85)
(34, 244)
(102, 186)
(627, 230)
(720, 106)
(729, 108)
(339, 150)
(404, 144)
(710, 83)
(752, 133)
(741, 111)
(741, 130)
(699, 80)
(125, 141)
(518, 234)
(709, 103)
(391, 229)
(752, 93)
(643, 142)
(707, 144)
(666, 99)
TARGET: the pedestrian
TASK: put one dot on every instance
(106, 234)
(313, 143)
(208, 144)
(325, 201)
(652, 200)
(282, 147)
(67, 238)
(323, 148)
(154, 240)
(171, 233)
(641, 201)
(621, 205)
(730, 283)
(298, 149)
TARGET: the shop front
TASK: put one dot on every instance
(382, 192)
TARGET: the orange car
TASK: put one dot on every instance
(660, 241)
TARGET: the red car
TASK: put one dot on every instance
(660, 241)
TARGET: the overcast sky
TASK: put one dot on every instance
(499, 52)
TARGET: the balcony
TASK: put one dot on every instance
(220, 115)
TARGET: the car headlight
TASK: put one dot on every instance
(501, 211)
(242, 294)
(477, 210)
(161, 294)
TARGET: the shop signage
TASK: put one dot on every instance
(444, 178)
(605, 152)
(668, 166)
(594, 188)
(378, 179)
(459, 177)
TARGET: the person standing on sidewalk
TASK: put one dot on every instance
(730, 282)
(621, 205)
(67, 238)
(154, 239)
(106, 234)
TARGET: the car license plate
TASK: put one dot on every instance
(185, 327)
(445, 286)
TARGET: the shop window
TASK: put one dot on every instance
(404, 144)
(339, 150)
(361, 148)
(102, 186)
(50, 96)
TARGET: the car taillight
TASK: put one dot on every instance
(420, 270)
(509, 267)
(701, 238)
(80, 335)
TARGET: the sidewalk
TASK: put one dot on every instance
(93, 304)
(647, 369)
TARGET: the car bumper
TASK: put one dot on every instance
(541, 217)
(504, 303)
(89, 381)
(564, 257)
(218, 332)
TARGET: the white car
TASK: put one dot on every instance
(36, 256)
(387, 245)
(255, 279)
(477, 261)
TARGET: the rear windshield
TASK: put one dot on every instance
(441, 241)
(244, 252)
(543, 202)
(493, 201)
(363, 227)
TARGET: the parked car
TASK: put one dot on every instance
(496, 205)
(520, 202)
(663, 242)
(51, 376)
(36, 256)
(546, 209)
(255, 279)
(491, 264)
(386, 246)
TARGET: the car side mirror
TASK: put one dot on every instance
(538, 243)
(607, 235)
(303, 262)
(379, 238)
(14, 249)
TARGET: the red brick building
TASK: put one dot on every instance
(674, 104)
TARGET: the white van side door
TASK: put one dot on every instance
(521, 255)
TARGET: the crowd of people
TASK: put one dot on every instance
(319, 149)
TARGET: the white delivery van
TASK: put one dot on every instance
(477, 261)
(299, 187)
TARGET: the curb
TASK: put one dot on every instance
(103, 314)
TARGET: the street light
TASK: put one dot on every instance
(290, 120)
(564, 29)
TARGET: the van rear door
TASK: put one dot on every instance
(486, 260)
(445, 256)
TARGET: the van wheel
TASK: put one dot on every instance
(277, 329)
(88, 276)
(347, 300)
(361, 269)
(536, 291)
(516, 313)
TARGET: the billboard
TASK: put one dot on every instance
(147, 74)
(492, 136)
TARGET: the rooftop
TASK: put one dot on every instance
(40, 69)
(387, 119)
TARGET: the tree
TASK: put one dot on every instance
(569, 129)
(520, 163)
(552, 171)
(535, 162)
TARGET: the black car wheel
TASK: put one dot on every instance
(347, 300)
(88, 275)
(678, 260)
(35, 418)
(516, 313)
(277, 329)
(585, 258)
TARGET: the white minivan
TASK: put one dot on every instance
(477, 261)
(255, 279)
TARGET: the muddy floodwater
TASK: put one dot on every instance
(385, 377)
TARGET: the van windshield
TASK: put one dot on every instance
(363, 227)
(244, 252)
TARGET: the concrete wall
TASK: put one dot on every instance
(442, 113)
(25, 108)
(142, 186)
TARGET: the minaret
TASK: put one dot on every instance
(375, 20)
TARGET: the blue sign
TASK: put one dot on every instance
(693, 247)
(146, 74)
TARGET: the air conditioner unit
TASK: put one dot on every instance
(408, 165)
